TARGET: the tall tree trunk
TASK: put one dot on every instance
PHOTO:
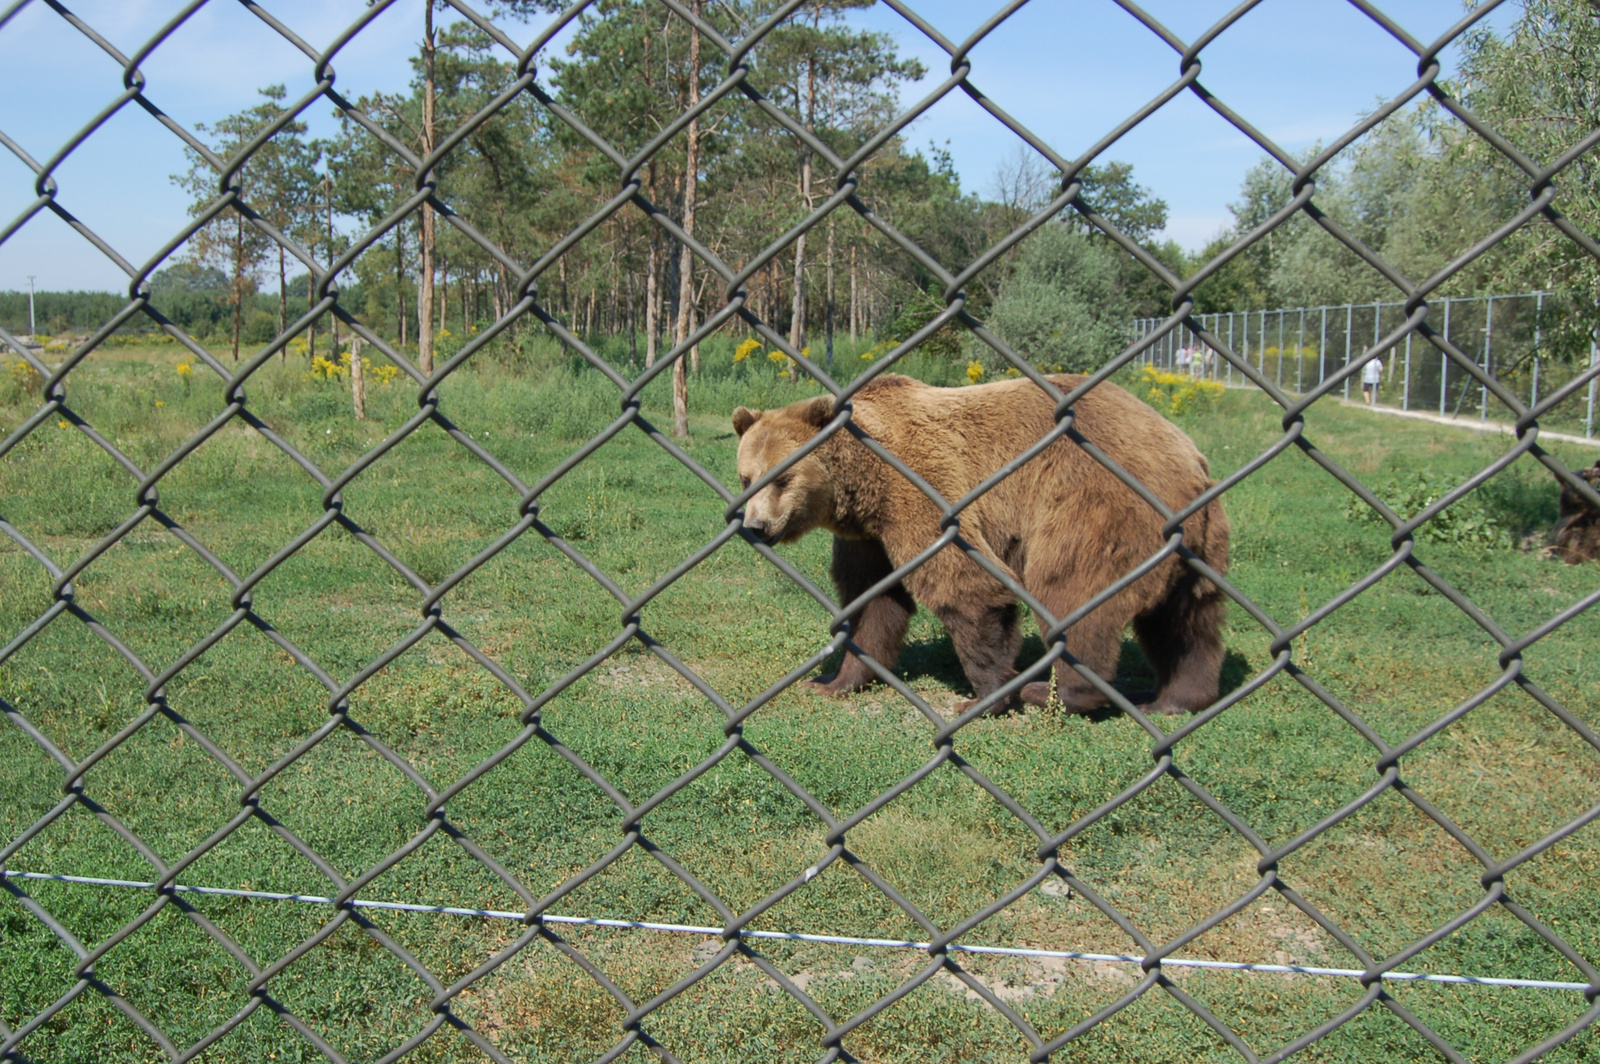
(652, 293)
(652, 302)
(797, 320)
(283, 302)
(565, 296)
(327, 199)
(614, 283)
(828, 306)
(797, 326)
(632, 313)
(444, 294)
(691, 181)
(400, 283)
(238, 282)
(311, 330)
(425, 258)
(853, 305)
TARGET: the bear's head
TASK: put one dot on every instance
(801, 498)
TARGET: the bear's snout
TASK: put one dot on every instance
(768, 532)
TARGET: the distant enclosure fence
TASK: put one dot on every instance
(1470, 359)
(1300, 348)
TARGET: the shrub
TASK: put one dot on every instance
(259, 327)
(21, 381)
(1064, 307)
(1467, 522)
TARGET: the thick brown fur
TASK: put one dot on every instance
(1062, 524)
(1577, 535)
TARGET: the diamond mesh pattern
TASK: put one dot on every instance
(833, 1033)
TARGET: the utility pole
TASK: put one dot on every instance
(33, 330)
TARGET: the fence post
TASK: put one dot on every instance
(1594, 360)
(1349, 326)
(1377, 333)
(1444, 361)
(1538, 321)
(1488, 359)
(1230, 345)
(1405, 385)
(1322, 350)
(1280, 350)
(358, 383)
(1261, 342)
(1246, 331)
(1300, 355)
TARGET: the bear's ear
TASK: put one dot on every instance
(816, 412)
(743, 418)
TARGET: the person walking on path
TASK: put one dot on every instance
(1371, 375)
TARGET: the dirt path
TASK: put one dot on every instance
(1473, 424)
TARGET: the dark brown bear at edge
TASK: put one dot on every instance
(1577, 534)
(1063, 525)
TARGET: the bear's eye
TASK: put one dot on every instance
(744, 483)
(782, 483)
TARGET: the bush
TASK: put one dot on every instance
(1064, 308)
(259, 327)
(21, 382)
(1468, 522)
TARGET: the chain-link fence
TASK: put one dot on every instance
(631, 1022)
(1300, 347)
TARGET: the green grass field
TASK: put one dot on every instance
(1400, 656)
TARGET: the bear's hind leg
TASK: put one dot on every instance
(1182, 638)
(880, 628)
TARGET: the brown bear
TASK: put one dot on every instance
(1063, 525)
(1577, 534)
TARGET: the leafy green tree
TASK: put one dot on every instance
(1066, 305)
(285, 172)
(230, 240)
(1538, 84)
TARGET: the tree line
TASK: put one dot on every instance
(1423, 188)
(1418, 191)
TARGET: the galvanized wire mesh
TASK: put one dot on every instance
(833, 1033)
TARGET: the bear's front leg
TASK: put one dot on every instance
(982, 617)
(987, 637)
(880, 628)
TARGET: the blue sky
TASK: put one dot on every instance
(1070, 70)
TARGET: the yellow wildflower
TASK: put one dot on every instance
(974, 371)
(748, 347)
